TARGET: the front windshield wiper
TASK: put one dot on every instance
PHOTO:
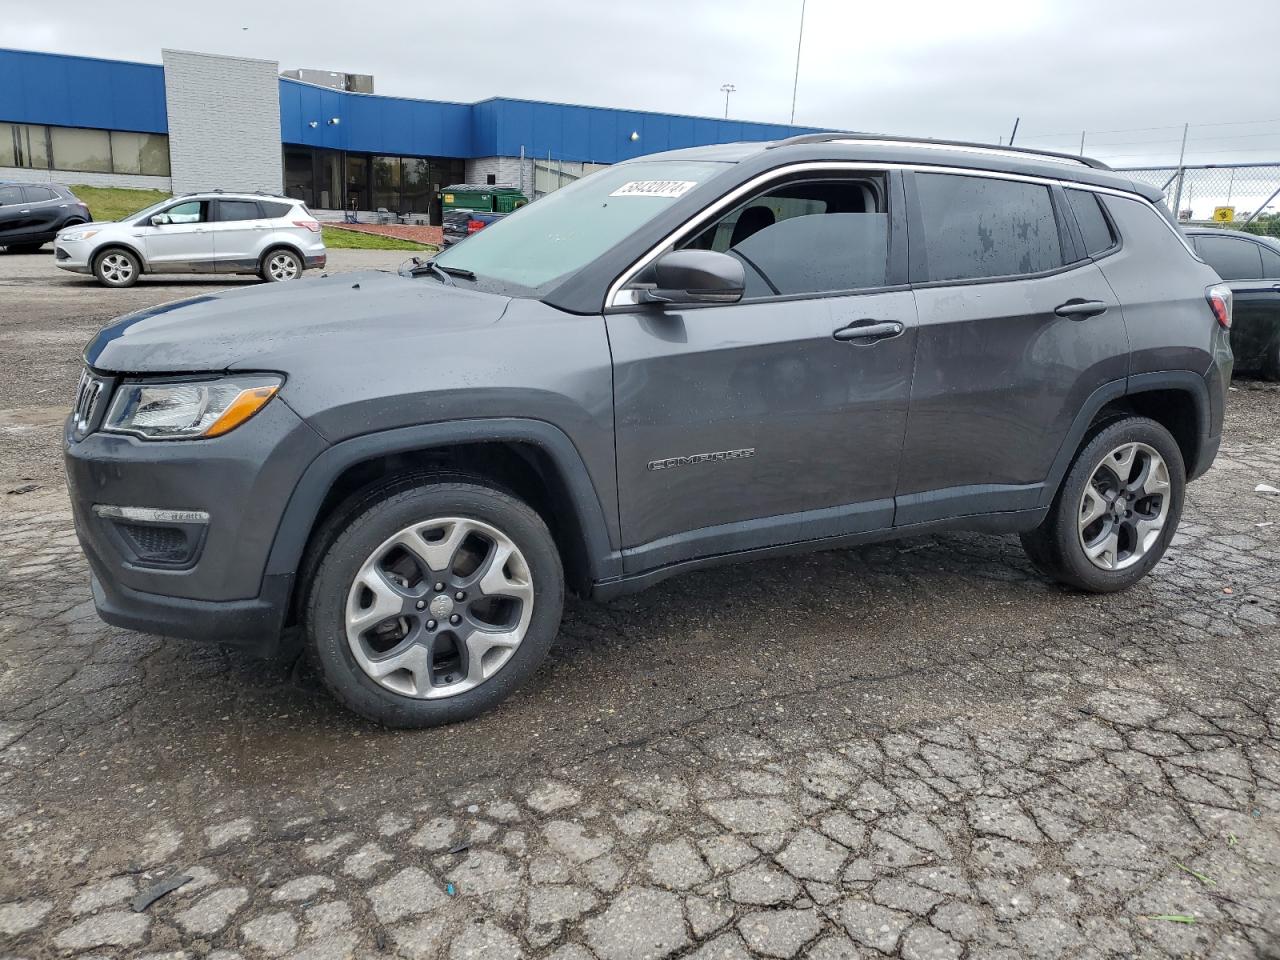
(446, 274)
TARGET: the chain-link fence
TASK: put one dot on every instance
(1245, 189)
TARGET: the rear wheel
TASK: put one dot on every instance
(430, 601)
(1116, 511)
(280, 265)
(117, 267)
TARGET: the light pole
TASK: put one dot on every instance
(796, 83)
(726, 89)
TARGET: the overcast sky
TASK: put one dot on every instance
(946, 68)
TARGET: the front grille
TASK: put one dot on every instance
(88, 395)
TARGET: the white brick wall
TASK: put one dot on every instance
(224, 122)
(506, 169)
(68, 177)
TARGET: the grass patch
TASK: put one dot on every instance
(115, 203)
(335, 238)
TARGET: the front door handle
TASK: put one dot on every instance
(1081, 309)
(868, 331)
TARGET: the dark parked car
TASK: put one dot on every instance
(1251, 267)
(31, 214)
(725, 353)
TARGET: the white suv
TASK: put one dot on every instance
(274, 237)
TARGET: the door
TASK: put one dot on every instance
(237, 227)
(46, 209)
(15, 213)
(750, 424)
(1017, 330)
(1252, 270)
(178, 239)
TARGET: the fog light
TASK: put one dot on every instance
(150, 537)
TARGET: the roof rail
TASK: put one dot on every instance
(965, 145)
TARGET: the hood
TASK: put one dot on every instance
(261, 328)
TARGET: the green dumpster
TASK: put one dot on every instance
(490, 199)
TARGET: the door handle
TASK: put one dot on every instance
(867, 331)
(24, 211)
(1081, 309)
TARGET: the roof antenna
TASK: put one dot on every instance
(1016, 121)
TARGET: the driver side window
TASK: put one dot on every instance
(192, 211)
(807, 236)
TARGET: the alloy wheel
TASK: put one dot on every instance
(439, 607)
(1124, 506)
(281, 266)
(116, 268)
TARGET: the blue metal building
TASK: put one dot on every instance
(81, 118)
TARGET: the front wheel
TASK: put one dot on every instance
(281, 265)
(1116, 511)
(431, 601)
(117, 268)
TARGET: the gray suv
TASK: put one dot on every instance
(709, 355)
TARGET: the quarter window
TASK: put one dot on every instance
(229, 210)
(275, 210)
(808, 237)
(1098, 237)
(1233, 259)
(980, 227)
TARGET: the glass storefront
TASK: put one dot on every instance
(333, 180)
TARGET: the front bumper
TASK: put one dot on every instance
(76, 256)
(242, 480)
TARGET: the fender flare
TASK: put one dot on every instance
(304, 504)
(1185, 381)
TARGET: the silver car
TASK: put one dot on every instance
(274, 237)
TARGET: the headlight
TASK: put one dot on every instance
(190, 409)
(72, 235)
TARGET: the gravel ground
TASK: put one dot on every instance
(918, 749)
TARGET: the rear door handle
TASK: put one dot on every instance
(1081, 309)
(868, 331)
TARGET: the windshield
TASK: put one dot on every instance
(567, 229)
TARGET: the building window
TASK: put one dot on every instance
(77, 149)
(144, 153)
(23, 145)
(386, 184)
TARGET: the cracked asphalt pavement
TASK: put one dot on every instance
(918, 749)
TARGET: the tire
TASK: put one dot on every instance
(1143, 522)
(117, 267)
(1271, 362)
(279, 265)
(343, 628)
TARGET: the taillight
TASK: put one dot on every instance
(312, 225)
(1219, 297)
(475, 226)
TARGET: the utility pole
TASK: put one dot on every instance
(1182, 173)
(795, 85)
(726, 89)
(1016, 121)
(1082, 133)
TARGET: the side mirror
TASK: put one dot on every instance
(160, 219)
(693, 276)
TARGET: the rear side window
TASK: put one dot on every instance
(1098, 237)
(1233, 259)
(39, 194)
(980, 227)
(1270, 263)
(229, 210)
(275, 210)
